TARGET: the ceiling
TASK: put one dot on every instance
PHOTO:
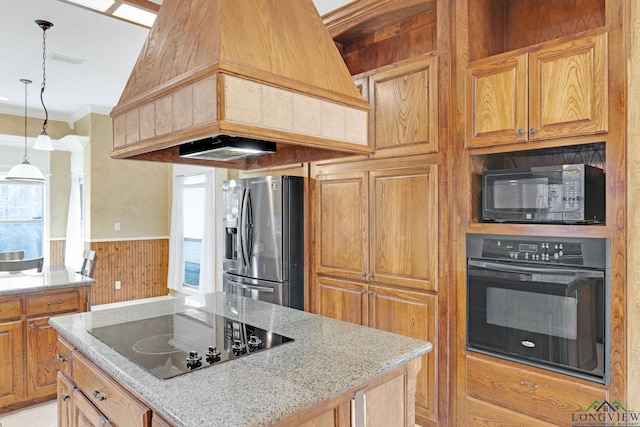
(106, 48)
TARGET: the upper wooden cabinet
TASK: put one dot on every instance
(556, 91)
(404, 111)
(379, 226)
(342, 229)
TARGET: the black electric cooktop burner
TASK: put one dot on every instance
(175, 344)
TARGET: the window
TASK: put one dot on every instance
(193, 199)
(21, 218)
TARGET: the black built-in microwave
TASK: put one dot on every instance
(571, 193)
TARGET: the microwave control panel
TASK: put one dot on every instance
(546, 251)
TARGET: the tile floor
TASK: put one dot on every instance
(42, 415)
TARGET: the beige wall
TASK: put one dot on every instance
(60, 187)
(133, 193)
(14, 125)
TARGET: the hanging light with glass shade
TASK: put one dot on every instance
(43, 142)
(25, 171)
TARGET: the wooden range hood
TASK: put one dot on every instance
(263, 70)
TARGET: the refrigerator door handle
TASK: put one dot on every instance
(242, 228)
(249, 241)
(253, 287)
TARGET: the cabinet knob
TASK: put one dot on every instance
(364, 274)
(32, 325)
(98, 396)
(65, 396)
(520, 132)
(55, 302)
(533, 386)
(532, 131)
(61, 358)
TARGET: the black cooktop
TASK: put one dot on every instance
(175, 344)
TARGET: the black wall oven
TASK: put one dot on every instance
(542, 301)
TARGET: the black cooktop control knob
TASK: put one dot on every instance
(193, 360)
(255, 343)
(213, 355)
(239, 347)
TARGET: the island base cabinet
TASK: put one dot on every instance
(386, 401)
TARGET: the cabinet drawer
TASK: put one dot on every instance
(520, 389)
(10, 309)
(482, 414)
(52, 302)
(110, 398)
(63, 357)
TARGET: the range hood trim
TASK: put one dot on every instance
(179, 88)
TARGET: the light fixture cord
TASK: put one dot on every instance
(25, 158)
(44, 78)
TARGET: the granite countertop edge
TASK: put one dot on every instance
(291, 369)
(71, 280)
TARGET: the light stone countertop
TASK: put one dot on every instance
(51, 277)
(327, 358)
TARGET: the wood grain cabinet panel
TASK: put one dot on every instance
(107, 395)
(11, 363)
(63, 351)
(42, 342)
(403, 227)
(85, 414)
(342, 218)
(555, 91)
(404, 103)
(411, 314)
(497, 101)
(65, 401)
(10, 309)
(48, 303)
(568, 89)
(551, 398)
(482, 414)
(391, 214)
(342, 300)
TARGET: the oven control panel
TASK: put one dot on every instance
(548, 251)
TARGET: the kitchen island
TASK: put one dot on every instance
(27, 342)
(332, 373)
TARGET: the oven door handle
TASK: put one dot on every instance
(510, 268)
(252, 287)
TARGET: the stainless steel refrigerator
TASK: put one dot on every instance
(264, 239)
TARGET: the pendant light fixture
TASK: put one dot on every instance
(43, 142)
(25, 171)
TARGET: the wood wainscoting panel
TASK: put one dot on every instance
(141, 266)
(56, 251)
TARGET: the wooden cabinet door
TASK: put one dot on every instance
(341, 228)
(404, 103)
(568, 89)
(403, 227)
(11, 365)
(497, 101)
(342, 300)
(42, 342)
(65, 401)
(411, 314)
